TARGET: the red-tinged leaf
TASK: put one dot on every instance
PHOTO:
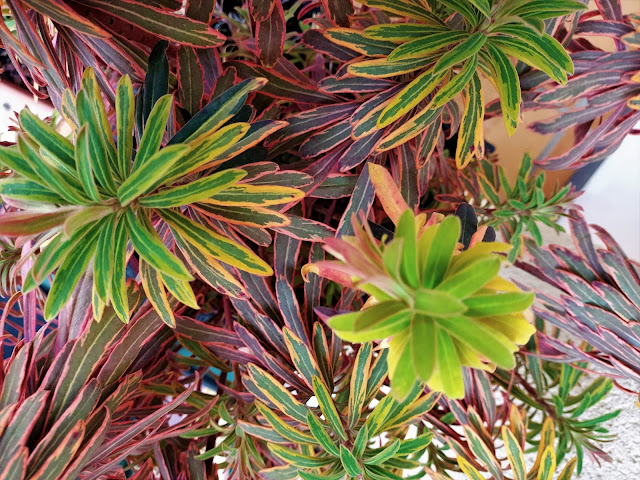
(306, 229)
(286, 250)
(310, 120)
(261, 9)
(85, 356)
(388, 193)
(136, 429)
(270, 36)
(359, 151)
(279, 86)
(209, 270)
(78, 411)
(17, 432)
(404, 9)
(321, 44)
(16, 224)
(160, 22)
(201, 10)
(338, 11)
(580, 86)
(17, 466)
(359, 204)
(354, 85)
(190, 80)
(61, 13)
(326, 140)
(125, 352)
(14, 377)
(290, 309)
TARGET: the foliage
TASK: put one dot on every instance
(92, 200)
(441, 308)
(77, 405)
(107, 36)
(451, 52)
(597, 300)
(601, 102)
(292, 205)
(518, 207)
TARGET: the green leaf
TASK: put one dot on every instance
(273, 392)
(406, 230)
(218, 111)
(508, 84)
(103, 264)
(423, 46)
(515, 454)
(355, 40)
(456, 85)
(359, 380)
(23, 189)
(321, 435)
(409, 97)
(100, 125)
(529, 54)
(214, 244)
(388, 452)
(458, 54)
(463, 7)
(181, 290)
(153, 132)
(145, 178)
(297, 459)
(98, 150)
(64, 184)
(435, 303)
(483, 6)
(404, 9)
(328, 408)
(470, 279)
(401, 32)
(70, 271)
(48, 138)
(195, 191)
(376, 316)
(84, 165)
(208, 150)
(449, 366)
(264, 433)
(413, 445)
(547, 464)
(125, 105)
(498, 304)
(283, 429)
(399, 361)
(360, 443)
(424, 346)
(119, 298)
(154, 290)
(470, 134)
(349, 462)
(441, 251)
(151, 248)
(301, 356)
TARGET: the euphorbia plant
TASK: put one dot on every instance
(292, 205)
(441, 307)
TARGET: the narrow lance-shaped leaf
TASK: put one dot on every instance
(470, 135)
(214, 244)
(69, 273)
(125, 105)
(151, 248)
(328, 408)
